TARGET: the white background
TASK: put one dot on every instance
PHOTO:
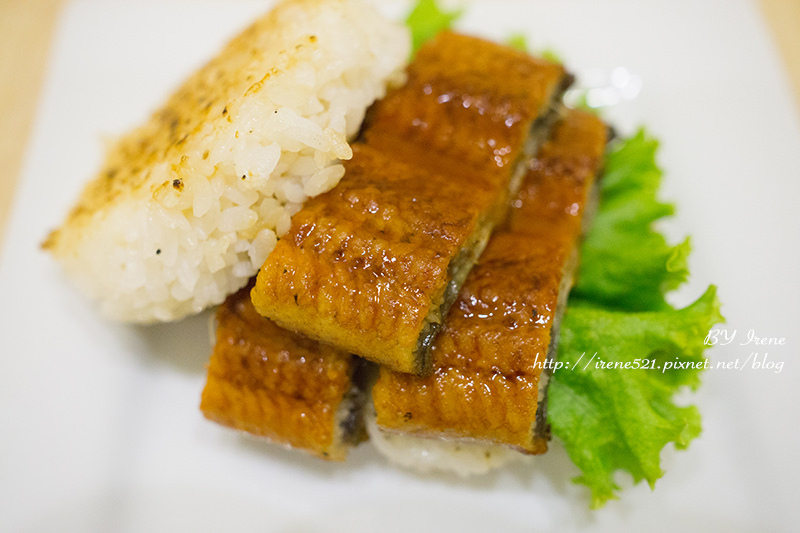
(99, 424)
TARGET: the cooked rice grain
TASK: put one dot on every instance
(187, 207)
(424, 455)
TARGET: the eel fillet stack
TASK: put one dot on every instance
(373, 265)
(490, 373)
(371, 259)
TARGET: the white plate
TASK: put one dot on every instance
(100, 425)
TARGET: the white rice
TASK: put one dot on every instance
(207, 215)
(465, 458)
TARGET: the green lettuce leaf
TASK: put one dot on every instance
(518, 41)
(612, 419)
(427, 19)
(627, 264)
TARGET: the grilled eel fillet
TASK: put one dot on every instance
(490, 372)
(276, 384)
(373, 265)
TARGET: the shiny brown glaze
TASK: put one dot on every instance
(467, 101)
(488, 359)
(368, 266)
(275, 384)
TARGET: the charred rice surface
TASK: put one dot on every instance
(187, 206)
(373, 265)
(488, 360)
(275, 384)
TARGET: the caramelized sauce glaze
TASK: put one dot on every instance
(365, 266)
(489, 358)
(273, 383)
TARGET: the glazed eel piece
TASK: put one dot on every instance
(276, 384)
(490, 373)
(373, 265)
